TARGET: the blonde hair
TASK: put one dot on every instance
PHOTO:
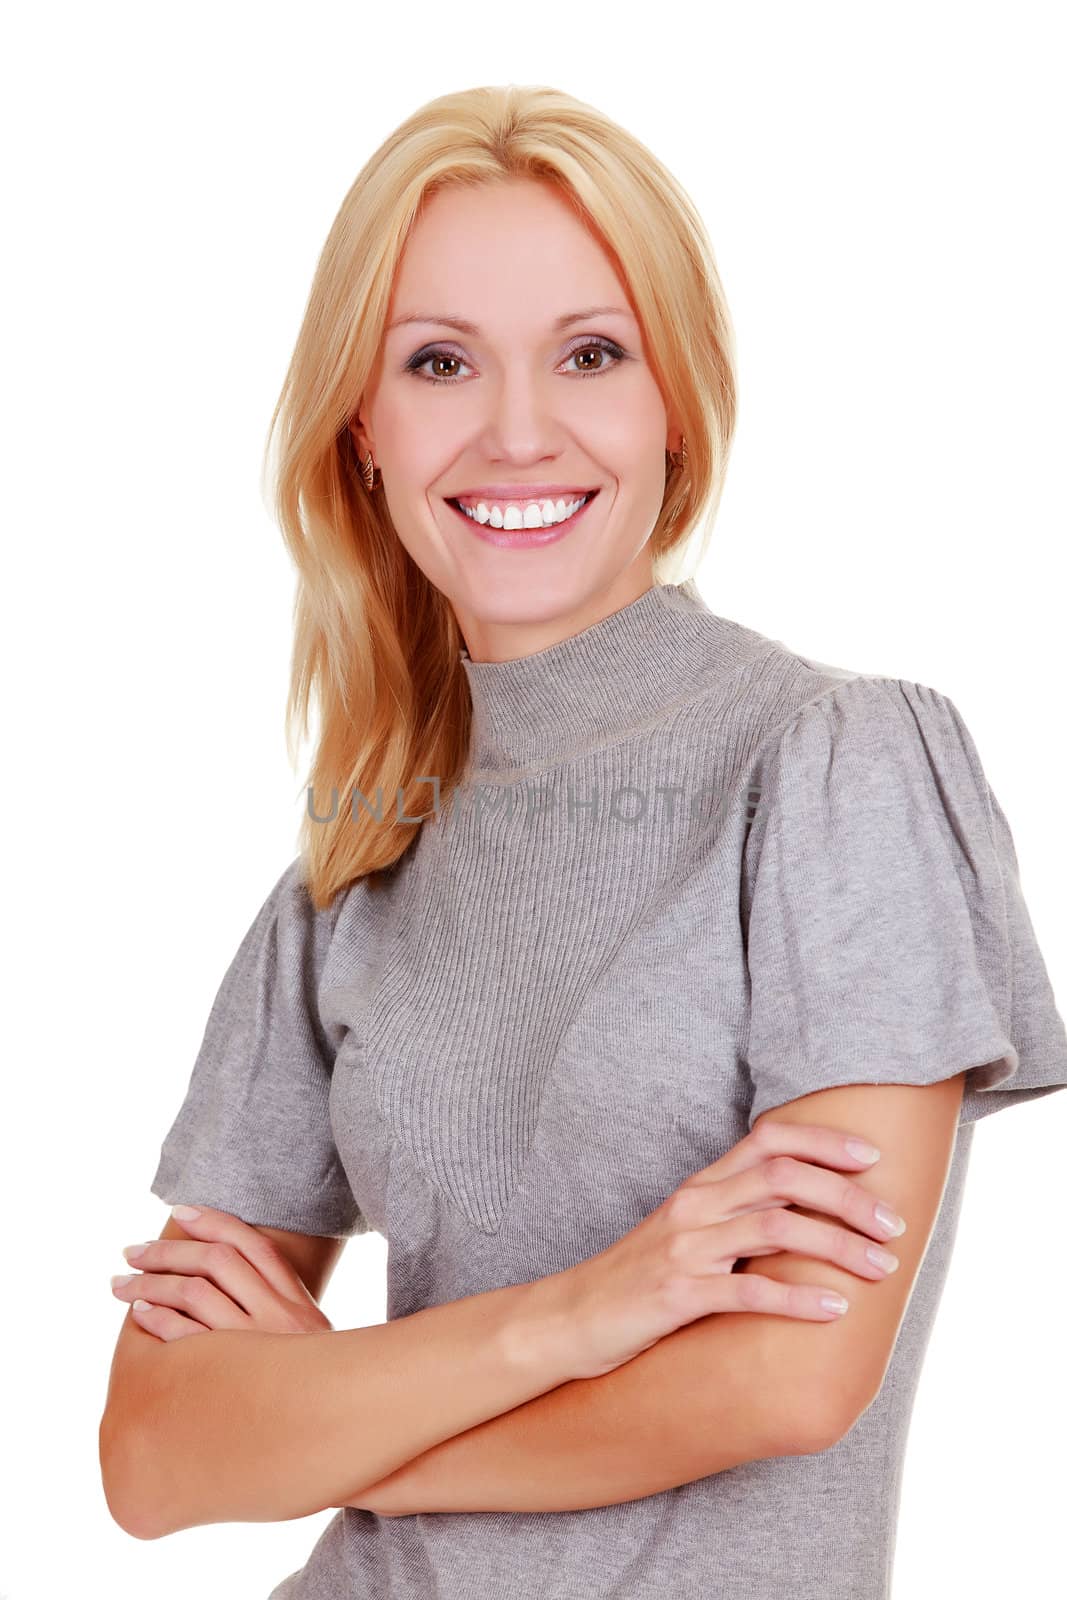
(375, 642)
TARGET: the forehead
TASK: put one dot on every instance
(503, 255)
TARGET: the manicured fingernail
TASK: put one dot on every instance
(185, 1213)
(889, 1220)
(123, 1277)
(133, 1252)
(861, 1150)
(834, 1302)
(142, 1305)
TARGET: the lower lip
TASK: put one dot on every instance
(523, 538)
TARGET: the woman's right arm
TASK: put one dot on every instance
(248, 1426)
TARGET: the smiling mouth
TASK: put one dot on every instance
(509, 516)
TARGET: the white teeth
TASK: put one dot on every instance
(539, 514)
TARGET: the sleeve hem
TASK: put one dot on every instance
(992, 1071)
(266, 1208)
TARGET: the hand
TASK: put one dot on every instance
(227, 1275)
(677, 1265)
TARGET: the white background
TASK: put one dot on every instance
(883, 191)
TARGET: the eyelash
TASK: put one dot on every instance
(421, 357)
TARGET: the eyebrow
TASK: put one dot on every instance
(471, 328)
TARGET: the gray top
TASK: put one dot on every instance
(690, 875)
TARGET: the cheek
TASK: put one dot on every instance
(624, 435)
(420, 527)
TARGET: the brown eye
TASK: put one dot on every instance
(601, 348)
(446, 358)
(422, 359)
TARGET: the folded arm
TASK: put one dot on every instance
(236, 1425)
(707, 1397)
(730, 1388)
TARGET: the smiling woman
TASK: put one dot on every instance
(591, 1072)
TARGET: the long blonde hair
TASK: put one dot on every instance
(375, 642)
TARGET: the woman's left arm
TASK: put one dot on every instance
(729, 1388)
(697, 1402)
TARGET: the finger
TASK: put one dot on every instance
(194, 1297)
(749, 1291)
(817, 1188)
(765, 1232)
(218, 1261)
(164, 1323)
(810, 1141)
(257, 1249)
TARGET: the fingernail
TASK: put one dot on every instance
(861, 1150)
(882, 1258)
(123, 1277)
(185, 1213)
(133, 1252)
(889, 1220)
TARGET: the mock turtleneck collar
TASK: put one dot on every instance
(611, 677)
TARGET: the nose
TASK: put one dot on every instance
(525, 421)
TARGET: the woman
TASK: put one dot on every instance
(590, 1027)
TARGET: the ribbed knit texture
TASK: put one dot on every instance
(689, 875)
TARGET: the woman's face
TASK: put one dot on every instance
(523, 407)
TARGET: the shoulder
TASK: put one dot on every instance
(825, 712)
(354, 913)
(833, 740)
(301, 955)
(758, 693)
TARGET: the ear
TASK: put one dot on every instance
(362, 443)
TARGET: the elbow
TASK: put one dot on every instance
(812, 1438)
(820, 1418)
(122, 1461)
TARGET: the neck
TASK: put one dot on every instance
(608, 680)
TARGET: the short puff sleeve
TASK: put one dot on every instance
(886, 935)
(253, 1135)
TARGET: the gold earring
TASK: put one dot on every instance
(367, 469)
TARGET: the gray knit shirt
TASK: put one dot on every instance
(689, 875)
